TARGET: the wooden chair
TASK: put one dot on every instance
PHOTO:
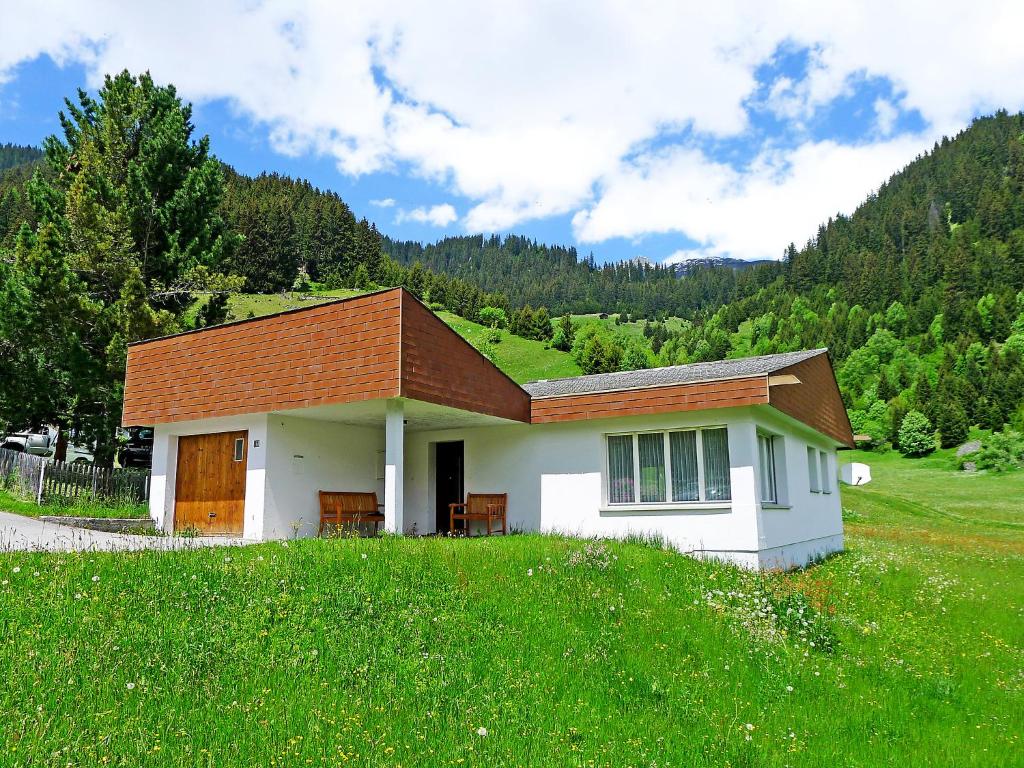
(480, 506)
(349, 507)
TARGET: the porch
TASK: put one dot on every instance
(410, 453)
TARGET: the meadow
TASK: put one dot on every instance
(531, 650)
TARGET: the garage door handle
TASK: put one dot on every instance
(213, 514)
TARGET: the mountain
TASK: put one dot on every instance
(689, 266)
(13, 155)
(919, 293)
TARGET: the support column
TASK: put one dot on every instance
(394, 467)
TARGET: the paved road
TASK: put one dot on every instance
(20, 533)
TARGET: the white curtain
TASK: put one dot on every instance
(620, 469)
(766, 451)
(683, 449)
(717, 486)
(652, 467)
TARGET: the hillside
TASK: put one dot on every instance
(905, 650)
(12, 155)
(919, 294)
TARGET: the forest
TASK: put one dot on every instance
(112, 231)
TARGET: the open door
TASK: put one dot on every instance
(448, 476)
(209, 486)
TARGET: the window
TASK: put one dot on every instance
(662, 467)
(826, 482)
(239, 448)
(652, 467)
(812, 469)
(717, 486)
(766, 457)
(620, 469)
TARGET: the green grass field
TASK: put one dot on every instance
(534, 651)
(82, 507)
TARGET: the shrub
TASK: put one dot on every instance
(493, 317)
(494, 336)
(1000, 452)
(916, 436)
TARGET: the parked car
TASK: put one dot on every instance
(43, 442)
(38, 442)
(137, 448)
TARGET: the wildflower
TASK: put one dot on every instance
(227, 559)
(364, 555)
(749, 726)
(130, 686)
(35, 573)
(15, 569)
(481, 731)
(529, 572)
(95, 579)
(789, 688)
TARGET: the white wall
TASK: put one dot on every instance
(551, 472)
(165, 462)
(306, 456)
(553, 475)
(805, 525)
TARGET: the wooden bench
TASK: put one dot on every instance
(339, 508)
(480, 506)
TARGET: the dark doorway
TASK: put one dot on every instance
(448, 463)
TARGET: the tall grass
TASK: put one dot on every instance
(85, 505)
(526, 650)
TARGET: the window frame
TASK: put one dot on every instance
(769, 439)
(813, 469)
(669, 503)
(825, 465)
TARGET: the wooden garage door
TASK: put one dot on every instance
(209, 495)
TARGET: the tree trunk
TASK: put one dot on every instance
(60, 452)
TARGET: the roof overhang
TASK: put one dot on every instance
(371, 347)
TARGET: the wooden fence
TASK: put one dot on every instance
(44, 479)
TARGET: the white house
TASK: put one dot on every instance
(733, 460)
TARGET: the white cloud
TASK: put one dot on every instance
(886, 114)
(748, 214)
(532, 109)
(436, 216)
(387, 202)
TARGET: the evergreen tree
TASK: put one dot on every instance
(952, 424)
(127, 218)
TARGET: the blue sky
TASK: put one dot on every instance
(656, 130)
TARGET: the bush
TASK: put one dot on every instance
(916, 436)
(493, 317)
(494, 336)
(1000, 452)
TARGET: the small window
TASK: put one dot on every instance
(239, 448)
(766, 457)
(812, 469)
(826, 483)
